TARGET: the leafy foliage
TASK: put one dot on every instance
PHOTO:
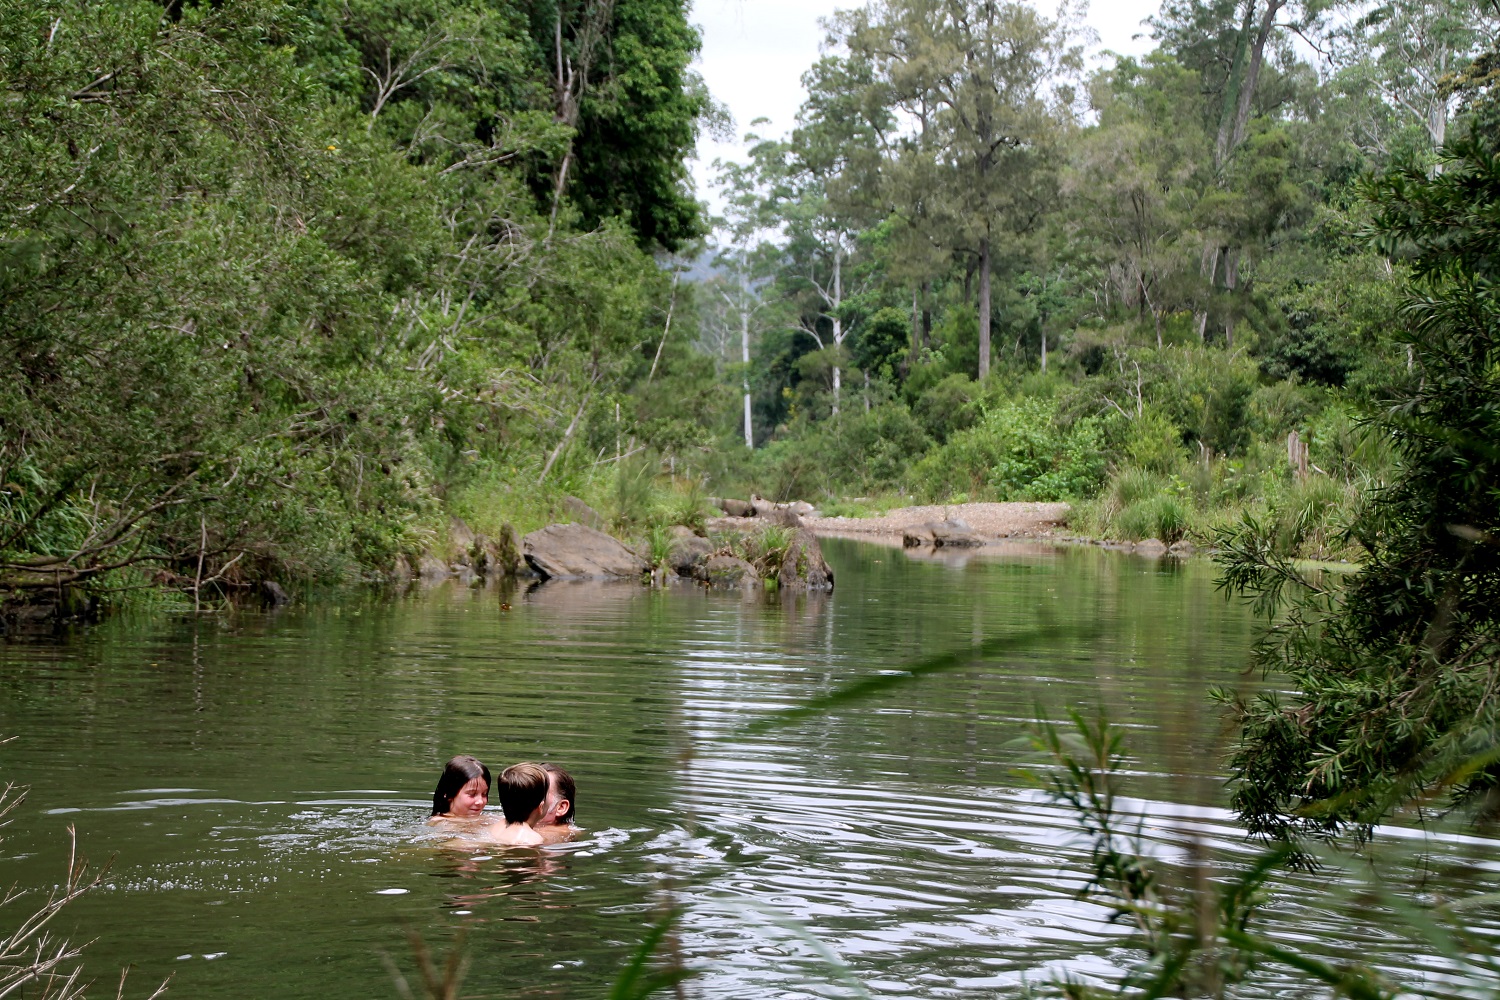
(1393, 673)
(277, 281)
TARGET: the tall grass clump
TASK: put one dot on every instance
(1163, 517)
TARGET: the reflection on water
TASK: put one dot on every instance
(261, 781)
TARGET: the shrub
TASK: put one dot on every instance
(947, 407)
(1310, 517)
(1155, 442)
(1016, 451)
(1162, 516)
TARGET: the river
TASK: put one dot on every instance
(260, 780)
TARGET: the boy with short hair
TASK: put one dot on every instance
(522, 791)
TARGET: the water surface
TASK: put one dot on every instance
(260, 781)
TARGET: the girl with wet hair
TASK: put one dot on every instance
(463, 790)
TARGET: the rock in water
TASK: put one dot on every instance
(942, 534)
(728, 573)
(431, 569)
(497, 557)
(460, 543)
(803, 567)
(577, 551)
(1151, 547)
(689, 552)
(915, 538)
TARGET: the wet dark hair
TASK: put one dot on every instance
(565, 788)
(521, 788)
(456, 774)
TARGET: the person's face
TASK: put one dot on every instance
(554, 806)
(471, 799)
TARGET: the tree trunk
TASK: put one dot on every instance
(745, 357)
(1231, 279)
(838, 324)
(1252, 73)
(1233, 84)
(926, 313)
(984, 307)
(914, 353)
(1211, 261)
(1044, 350)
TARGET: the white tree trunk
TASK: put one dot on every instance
(745, 357)
(838, 323)
(984, 308)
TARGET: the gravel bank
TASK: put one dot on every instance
(991, 520)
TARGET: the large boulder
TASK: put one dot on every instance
(577, 551)
(733, 508)
(729, 573)
(803, 567)
(460, 543)
(431, 569)
(689, 551)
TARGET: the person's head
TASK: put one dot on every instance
(521, 791)
(561, 794)
(464, 788)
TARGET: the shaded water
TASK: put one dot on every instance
(261, 781)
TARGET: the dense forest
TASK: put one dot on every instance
(287, 286)
(284, 284)
(976, 271)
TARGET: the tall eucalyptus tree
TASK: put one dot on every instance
(980, 94)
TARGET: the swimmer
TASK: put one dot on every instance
(556, 822)
(461, 794)
(522, 791)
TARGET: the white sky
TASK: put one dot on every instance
(755, 52)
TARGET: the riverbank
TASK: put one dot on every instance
(988, 520)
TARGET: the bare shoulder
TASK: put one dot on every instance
(557, 834)
(454, 825)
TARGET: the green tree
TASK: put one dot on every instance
(1394, 673)
(985, 82)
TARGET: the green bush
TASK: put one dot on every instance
(947, 407)
(1154, 443)
(1163, 516)
(1016, 452)
(1309, 518)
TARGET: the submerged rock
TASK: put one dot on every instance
(577, 551)
(728, 573)
(803, 567)
(941, 534)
